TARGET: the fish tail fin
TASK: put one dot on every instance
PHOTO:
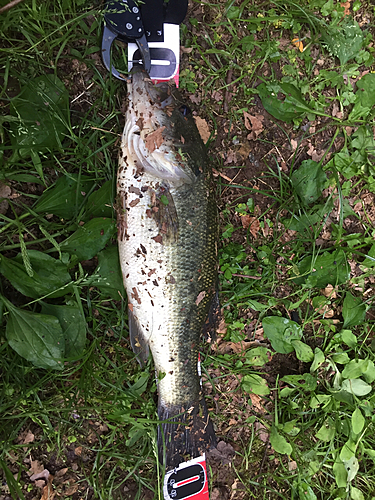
(185, 432)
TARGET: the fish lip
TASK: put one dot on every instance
(161, 162)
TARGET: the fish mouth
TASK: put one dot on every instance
(148, 132)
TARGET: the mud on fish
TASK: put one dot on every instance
(167, 232)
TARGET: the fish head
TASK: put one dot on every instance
(160, 135)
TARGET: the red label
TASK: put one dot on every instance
(188, 480)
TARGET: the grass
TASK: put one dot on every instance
(290, 382)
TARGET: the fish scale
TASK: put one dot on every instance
(167, 221)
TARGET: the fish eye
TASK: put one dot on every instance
(185, 110)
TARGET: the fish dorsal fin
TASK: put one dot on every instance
(138, 340)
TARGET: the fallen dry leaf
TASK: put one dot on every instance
(222, 328)
(330, 291)
(48, 492)
(5, 192)
(346, 6)
(155, 139)
(61, 472)
(200, 297)
(203, 128)
(253, 123)
(297, 43)
(294, 144)
(36, 467)
(252, 223)
(256, 402)
(261, 432)
(78, 450)
(292, 466)
(231, 158)
(195, 98)
(71, 490)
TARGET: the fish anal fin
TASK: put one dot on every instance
(185, 432)
(213, 319)
(138, 340)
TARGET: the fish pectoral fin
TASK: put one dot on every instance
(165, 214)
(184, 432)
(138, 341)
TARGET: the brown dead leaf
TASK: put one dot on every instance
(195, 98)
(40, 483)
(292, 466)
(297, 43)
(186, 50)
(36, 467)
(294, 144)
(346, 6)
(26, 437)
(256, 401)
(261, 431)
(252, 223)
(78, 450)
(155, 139)
(245, 150)
(200, 297)
(222, 328)
(217, 95)
(253, 123)
(5, 192)
(61, 472)
(48, 492)
(71, 490)
(231, 158)
(330, 291)
(236, 347)
(203, 128)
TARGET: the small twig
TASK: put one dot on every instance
(9, 5)
(107, 131)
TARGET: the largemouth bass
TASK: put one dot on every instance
(167, 233)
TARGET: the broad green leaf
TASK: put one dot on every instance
(36, 337)
(280, 332)
(73, 325)
(358, 421)
(353, 310)
(370, 452)
(327, 268)
(291, 428)
(344, 40)
(66, 197)
(355, 368)
(42, 109)
(327, 431)
(257, 356)
(356, 386)
(89, 239)
(279, 443)
(100, 202)
(255, 384)
(305, 492)
(340, 473)
(110, 275)
(348, 337)
(370, 258)
(341, 358)
(303, 351)
(319, 359)
(347, 451)
(50, 276)
(306, 382)
(309, 181)
(356, 494)
(369, 374)
(290, 106)
(320, 399)
(257, 306)
(351, 466)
